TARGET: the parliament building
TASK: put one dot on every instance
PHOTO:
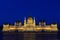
(30, 25)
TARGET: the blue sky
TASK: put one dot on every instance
(12, 10)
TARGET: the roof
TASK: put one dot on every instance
(42, 20)
(6, 23)
(54, 23)
(17, 21)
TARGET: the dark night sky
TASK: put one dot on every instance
(12, 10)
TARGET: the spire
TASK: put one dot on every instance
(25, 21)
(34, 21)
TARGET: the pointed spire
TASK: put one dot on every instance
(24, 21)
(24, 18)
(34, 21)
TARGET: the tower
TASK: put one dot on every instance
(34, 22)
(39, 24)
(54, 27)
(20, 24)
(24, 22)
(5, 27)
(16, 24)
(42, 23)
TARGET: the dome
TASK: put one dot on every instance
(30, 20)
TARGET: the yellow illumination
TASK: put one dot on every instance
(29, 25)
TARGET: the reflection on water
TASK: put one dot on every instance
(12, 36)
(29, 36)
(46, 36)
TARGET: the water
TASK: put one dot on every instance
(29, 35)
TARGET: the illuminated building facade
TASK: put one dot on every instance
(30, 25)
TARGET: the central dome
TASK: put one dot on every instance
(30, 20)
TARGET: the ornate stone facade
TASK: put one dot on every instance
(30, 25)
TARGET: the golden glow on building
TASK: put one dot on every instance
(30, 25)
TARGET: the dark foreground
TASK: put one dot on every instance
(29, 35)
